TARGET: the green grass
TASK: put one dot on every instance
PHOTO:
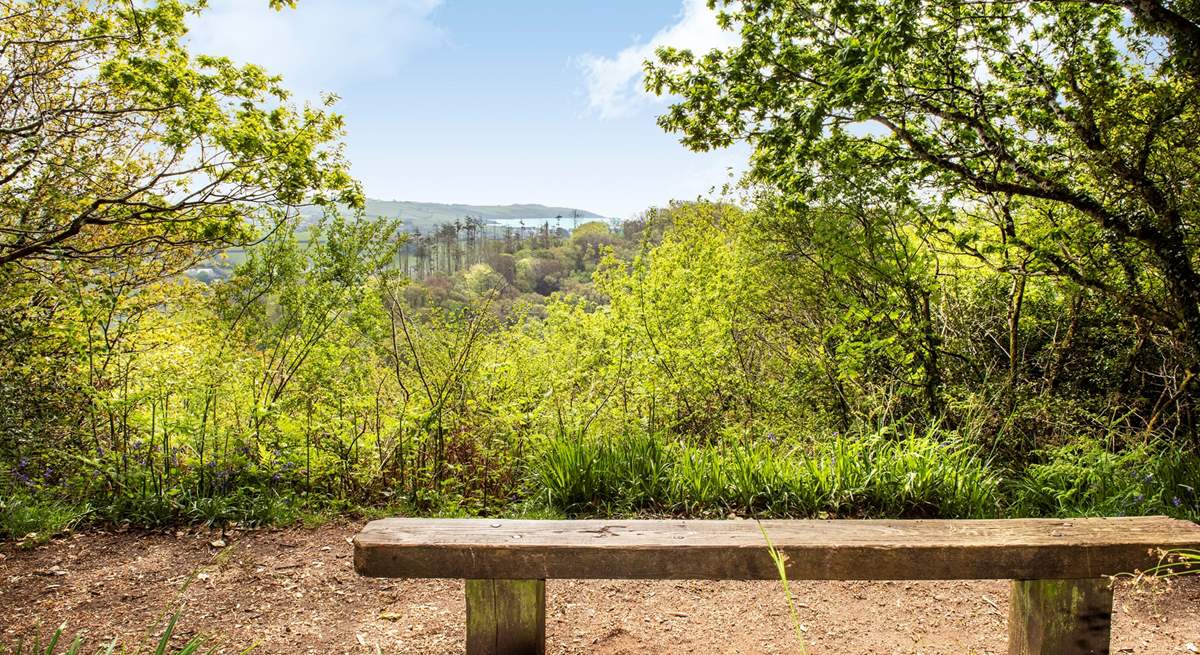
(918, 475)
(35, 520)
(1086, 479)
(912, 476)
(1174, 563)
(245, 505)
(906, 477)
(55, 644)
(780, 561)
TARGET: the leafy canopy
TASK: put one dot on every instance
(117, 143)
(1060, 135)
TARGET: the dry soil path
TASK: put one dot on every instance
(295, 591)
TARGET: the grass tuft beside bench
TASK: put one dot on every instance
(1061, 601)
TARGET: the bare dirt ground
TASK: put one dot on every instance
(295, 591)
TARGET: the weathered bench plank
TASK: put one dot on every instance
(1018, 549)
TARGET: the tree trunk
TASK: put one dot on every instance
(1184, 286)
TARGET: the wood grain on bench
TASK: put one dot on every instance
(1019, 549)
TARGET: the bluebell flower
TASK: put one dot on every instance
(24, 461)
(1149, 477)
(1139, 498)
(1176, 502)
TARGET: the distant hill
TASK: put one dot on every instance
(422, 215)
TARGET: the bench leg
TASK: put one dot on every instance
(1060, 617)
(506, 617)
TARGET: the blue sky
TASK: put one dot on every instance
(488, 102)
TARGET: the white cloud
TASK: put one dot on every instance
(614, 84)
(321, 44)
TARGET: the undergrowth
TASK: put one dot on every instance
(923, 475)
(1084, 478)
(926, 475)
(910, 477)
(35, 520)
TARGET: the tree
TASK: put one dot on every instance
(589, 240)
(285, 299)
(1057, 134)
(116, 142)
(482, 280)
(540, 275)
(853, 279)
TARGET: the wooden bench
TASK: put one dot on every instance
(1061, 602)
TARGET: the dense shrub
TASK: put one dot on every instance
(698, 371)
